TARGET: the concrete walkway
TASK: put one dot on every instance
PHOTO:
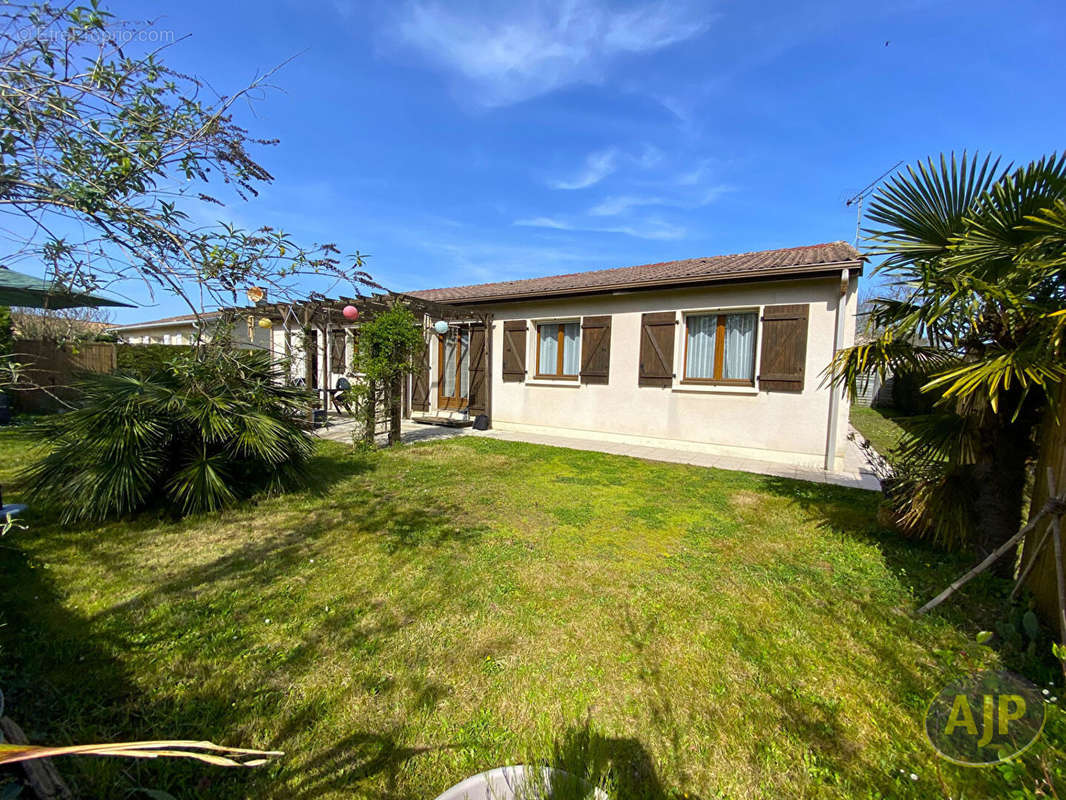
(856, 473)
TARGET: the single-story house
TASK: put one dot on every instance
(724, 354)
(169, 330)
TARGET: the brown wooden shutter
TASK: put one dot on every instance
(420, 386)
(595, 349)
(478, 369)
(784, 348)
(514, 350)
(657, 333)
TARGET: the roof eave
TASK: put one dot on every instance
(854, 266)
(173, 323)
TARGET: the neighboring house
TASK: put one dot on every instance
(169, 330)
(326, 353)
(722, 355)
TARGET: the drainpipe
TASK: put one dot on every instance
(834, 392)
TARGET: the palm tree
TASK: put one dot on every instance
(976, 255)
(197, 433)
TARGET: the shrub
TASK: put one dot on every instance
(7, 333)
(389, 343)
(144, 359)
(201, 432)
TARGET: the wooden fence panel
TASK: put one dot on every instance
(54, 368)
(1042, 580)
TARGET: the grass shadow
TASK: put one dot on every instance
(922, 569)
(621, 766)
(61, 683)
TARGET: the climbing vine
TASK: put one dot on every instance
(386, 352)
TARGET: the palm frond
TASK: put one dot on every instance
(200, 751)
(884, 356)
(942, 436)
(1001, 223)
(995, 374)
(934, 501)
(917, 215)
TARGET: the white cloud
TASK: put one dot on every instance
(600, 164)
(697, 198)
(649, 157)
(597, 167)
(647, 229)
(509, 53)
(475, 260)
(694, 175)
(544, 222)
(619, 204)
(712, 193)
(652, 229)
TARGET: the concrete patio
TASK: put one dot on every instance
(343, 429)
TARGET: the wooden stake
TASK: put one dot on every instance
(1040, 545)
(1053, 504)
(1032, 563)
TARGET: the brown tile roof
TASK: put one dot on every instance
(830, 256)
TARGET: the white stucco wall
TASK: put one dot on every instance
(178, 333)
(742, 421)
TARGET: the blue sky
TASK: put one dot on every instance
(467, 142)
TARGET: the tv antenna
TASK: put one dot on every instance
(857, 199)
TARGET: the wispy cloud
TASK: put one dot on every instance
(619, 204)
(697, 197)
(695, 175)
(515, 52)
(477, 260)
(545, 222)
(597, 167)
(646, 229)
(650, 229)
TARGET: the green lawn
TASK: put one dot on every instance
(430, 612)
(882, 427)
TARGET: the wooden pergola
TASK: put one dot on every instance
(325, 315)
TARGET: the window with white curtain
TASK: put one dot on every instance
(720, 348)
(451, 354)
(558, 349)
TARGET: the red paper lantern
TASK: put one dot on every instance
(350, 312)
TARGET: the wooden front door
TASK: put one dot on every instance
(453, 369)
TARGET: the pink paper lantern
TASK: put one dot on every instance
(350, 312)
